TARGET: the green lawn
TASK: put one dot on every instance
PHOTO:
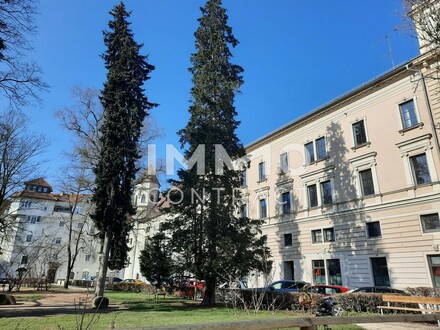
(144, 311)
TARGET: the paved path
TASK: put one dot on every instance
(398, 326)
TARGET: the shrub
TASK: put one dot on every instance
(359, 302)
(253, 299)
(424, 292)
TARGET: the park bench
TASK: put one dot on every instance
(425, 304)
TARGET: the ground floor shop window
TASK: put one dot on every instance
(334, 272)
(380, 271)
(434, 265)
(327, 272)
(318, 272)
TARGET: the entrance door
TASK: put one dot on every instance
(289, 273)
(380, 271)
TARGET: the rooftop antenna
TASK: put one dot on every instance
(388, 37)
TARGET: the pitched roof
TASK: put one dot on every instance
(40, 182)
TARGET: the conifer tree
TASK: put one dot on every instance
(204, 223)
(125, 106)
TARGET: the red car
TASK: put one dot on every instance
(327, 290)
(192, 289)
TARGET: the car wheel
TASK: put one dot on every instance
(337, 311)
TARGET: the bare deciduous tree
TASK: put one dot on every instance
(19, 78)
(18, 149)
(76, 183)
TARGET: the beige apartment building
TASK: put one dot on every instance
(350, 192)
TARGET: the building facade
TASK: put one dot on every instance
(350, 193)
(41, 222)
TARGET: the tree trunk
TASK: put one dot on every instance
(69, 270)
(100, 281)
(209, 298)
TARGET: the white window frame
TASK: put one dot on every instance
(429, 232)
(414, 147)
(361, 163)
(307, 160)
(262, 171)
(317, 177)
(353, 139)
(402, 127)
(283, 168)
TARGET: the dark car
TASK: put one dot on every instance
(327, 289)
(376, 289)
(286, 286)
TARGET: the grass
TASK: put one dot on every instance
(144, 311)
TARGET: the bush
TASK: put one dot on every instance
(359, 302)
(252, 299)
(131, 287)
(424, 292)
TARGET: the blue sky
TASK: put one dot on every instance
(297, 55)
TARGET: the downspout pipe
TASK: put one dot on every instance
(428, 104)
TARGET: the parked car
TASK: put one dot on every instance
(89, 278)
(286, 286)
(227, 291)
(234, 285)
(327, 289)
(377, 289)
(329, 305)
(192, 289)
(132, 280)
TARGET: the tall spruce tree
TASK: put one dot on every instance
(125, 107)
(203, 222)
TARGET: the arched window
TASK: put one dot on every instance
(143, 199)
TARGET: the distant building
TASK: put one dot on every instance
(39, 229)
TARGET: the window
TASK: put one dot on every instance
(329, 235)
(315, 150)
(334, 272)
(310, 152)
(373, 229)
(92, 230)
(359, 133)
(318, 272)
(321, 150)
(87, 257)
(284, 163)
(285, 202)
(29, 238)
(430, 222)
(366, 180)
(143, 198)
(33, 219)
(261, 171)
(313, 195)
(434, 265)
(287, 239)
(25, 204)
(62, 209)
(326, 235)
(79, 225)
(85, 275)
(58, 240)
(263, 209)
(244, 178)
(420, 170)
(408, 114)
(317, 236)
(380, 272)
(243, 210)
(326, 189)
(61, 223)
(24, 260)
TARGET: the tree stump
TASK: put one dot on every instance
(100, 302)
(6, 299)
